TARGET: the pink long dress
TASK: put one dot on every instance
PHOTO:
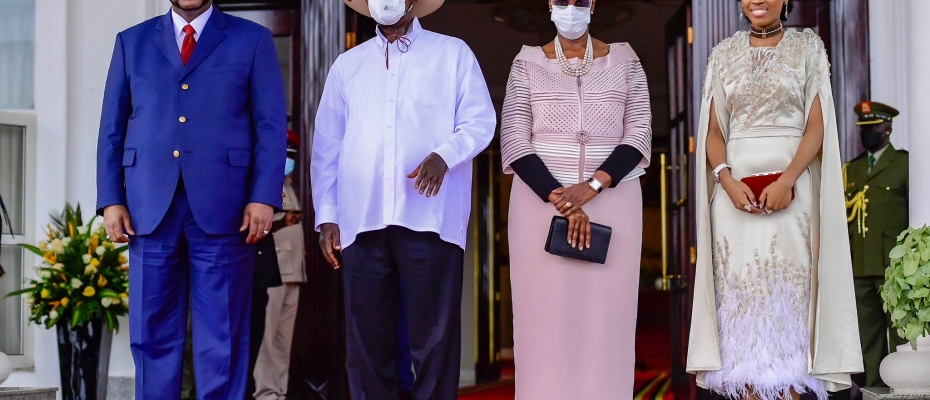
(574, 322)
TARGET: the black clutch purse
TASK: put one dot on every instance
(557, 242)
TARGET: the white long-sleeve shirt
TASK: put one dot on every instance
(376, 123)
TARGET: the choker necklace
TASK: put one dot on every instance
(567, 67)
(765, 33)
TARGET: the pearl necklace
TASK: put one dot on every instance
(567, 67)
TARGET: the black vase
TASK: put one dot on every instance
(84, 359)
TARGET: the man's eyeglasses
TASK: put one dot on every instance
(576, 3)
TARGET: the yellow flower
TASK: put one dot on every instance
(90, 270)
(124, 295)
(51, 258)
(43, 246)
(101, 281)
(89, 291)
(64, 302)
(94, 262)
(45, 294)
(122, 259)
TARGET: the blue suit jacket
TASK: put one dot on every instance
(219, 121)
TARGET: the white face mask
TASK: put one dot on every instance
(572, 22)
(388, 12)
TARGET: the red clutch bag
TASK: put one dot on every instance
(758, 182)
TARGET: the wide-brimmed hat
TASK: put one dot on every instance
(421, 9)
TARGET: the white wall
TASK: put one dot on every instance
(74, 42)
(898, 60)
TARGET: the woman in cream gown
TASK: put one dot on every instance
(774, 310)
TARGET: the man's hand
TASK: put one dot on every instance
(430, 174)
(292, 218)
(329, 243)
(257, 221)
(117, 223)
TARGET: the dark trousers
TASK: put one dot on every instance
(404, 361)
(178, 262)
(874, 328)
(257, 323)
(429, 271)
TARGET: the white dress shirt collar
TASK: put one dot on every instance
(198, 24)
(878, 154)
(412, 32)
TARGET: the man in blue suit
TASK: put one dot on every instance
(190, 166)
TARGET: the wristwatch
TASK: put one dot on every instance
(595, 184)
(717, 171)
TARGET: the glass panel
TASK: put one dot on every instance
(17, 53)
(11, 309)
(12, 176)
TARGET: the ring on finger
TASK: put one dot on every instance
(569, 204)
(747, 208)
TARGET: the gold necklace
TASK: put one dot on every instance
(765, 33)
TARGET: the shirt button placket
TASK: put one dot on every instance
(390, 137)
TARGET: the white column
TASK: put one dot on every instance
(919, 118)
(889, 51)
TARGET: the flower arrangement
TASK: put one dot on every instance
(83, 275)
(906, 292)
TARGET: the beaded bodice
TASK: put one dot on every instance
(766, 86)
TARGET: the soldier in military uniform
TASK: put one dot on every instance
(876, 200)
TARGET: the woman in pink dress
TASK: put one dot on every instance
(576, 130)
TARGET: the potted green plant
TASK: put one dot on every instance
(82, 286)
(906, 296)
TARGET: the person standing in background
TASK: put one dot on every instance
(876, 185)
(401, 118)
(271, 371)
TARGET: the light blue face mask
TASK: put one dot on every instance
(288, 166)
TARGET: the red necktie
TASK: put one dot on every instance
(187, 47)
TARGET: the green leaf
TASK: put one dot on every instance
(898, 314)
(919, 293)
(903, 284)
(76, 317)
(22, 291)
(33, 249)
(913, 330)
(924, 314)
(897, 252)
(109, 293)
(910, 265)
(112, 325)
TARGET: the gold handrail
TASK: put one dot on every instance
(663, 194)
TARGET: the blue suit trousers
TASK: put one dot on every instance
(176, 263)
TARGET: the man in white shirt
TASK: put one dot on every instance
(400, 119)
